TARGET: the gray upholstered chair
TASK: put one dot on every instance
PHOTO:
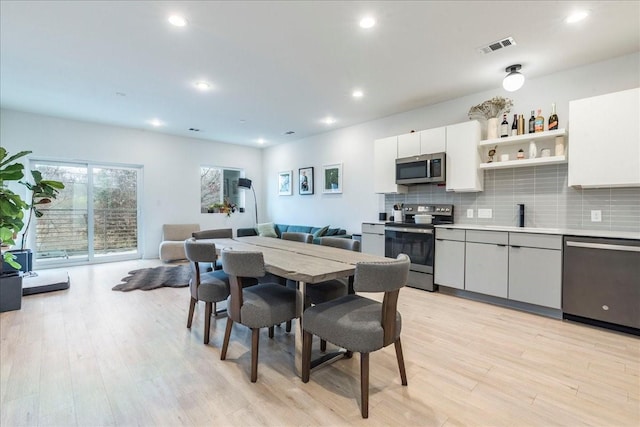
(219, 233)
(331, 289)
(297, 237)
(261, 306)
(361, 324)
(209, 287)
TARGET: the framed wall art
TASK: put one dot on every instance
(285, 181)
(305, 180)
(332, 178)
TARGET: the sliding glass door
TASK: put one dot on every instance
(95, 218)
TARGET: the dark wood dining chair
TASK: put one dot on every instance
(210, 287)
(261, 306)
(361, 324)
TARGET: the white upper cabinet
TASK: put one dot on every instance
(409, 144)
(605, 140)
(385, 152)
(463, 157)
(433, 140)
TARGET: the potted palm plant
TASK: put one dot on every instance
(12, 213)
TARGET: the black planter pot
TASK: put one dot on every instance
(24, 257)
(10, 291)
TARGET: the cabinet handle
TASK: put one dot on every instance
(502, 246)
(515, 247)
(603, 246)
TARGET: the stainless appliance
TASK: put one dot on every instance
(417, 241)
(601, 282)
(422, 169)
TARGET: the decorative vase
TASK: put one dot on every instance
(492, 128)
(533, 150)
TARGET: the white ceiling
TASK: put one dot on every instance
(286, 65)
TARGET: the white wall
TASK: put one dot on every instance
(353, 146)
(171, 165)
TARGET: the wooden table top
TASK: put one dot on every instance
(303, 267)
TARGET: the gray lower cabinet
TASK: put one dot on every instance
(486, 262)
(449, 258)
(372, 238)
(535, 269)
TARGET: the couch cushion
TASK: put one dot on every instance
(281, 228)
(331, 231)
(299, 229)
(266, 230)
(179, 232)
(319, 231)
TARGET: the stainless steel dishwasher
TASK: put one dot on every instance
(601, 282)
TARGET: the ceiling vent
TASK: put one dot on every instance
(194, 129)
(497, 45)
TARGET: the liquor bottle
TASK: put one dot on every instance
(539, 122)
(504, 127)
(553, 118)
(532, 121)
(521, 124)
(514, 125)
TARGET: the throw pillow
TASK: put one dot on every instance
(266, 230)
(331, 231)
(320, 231)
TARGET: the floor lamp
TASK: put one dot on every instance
(245, 183)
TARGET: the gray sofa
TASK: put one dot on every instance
(317, 232)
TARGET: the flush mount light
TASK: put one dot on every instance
(576, 16)
(261, 141)
(177, 20)
(367, 22)
(155, 122)
(357, 93)
(329, 121)
(514, 80)
(202, 85)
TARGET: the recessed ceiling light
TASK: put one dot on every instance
(367, 22)
(261, 141)
(329, 120)
(358, 93)
(155, 122)
(177, 20)
(577, 16)
(202, 85)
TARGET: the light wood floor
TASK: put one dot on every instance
(90, 356)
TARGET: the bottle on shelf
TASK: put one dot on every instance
(539, 122)
(521, 124)
(520, 154)
(514, 125)
(504, 127)
(532, 123)
(553, 118)
(533, 150)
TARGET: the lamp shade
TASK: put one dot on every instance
(244, 183)
(514, 80)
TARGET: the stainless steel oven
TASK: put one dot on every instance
(417, 241)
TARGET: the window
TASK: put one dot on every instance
(95, 216)
(218, 185)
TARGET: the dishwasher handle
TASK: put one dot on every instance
(604, 246)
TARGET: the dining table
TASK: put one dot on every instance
(305, 263)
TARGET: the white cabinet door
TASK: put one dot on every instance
(448, 267)
(486, 269)
(409, 144)
(373, 244)
(385, 152)
(463, 157)
(535, 276)
(604, 150)
(433, 140)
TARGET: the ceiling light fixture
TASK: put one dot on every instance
(577, 16)
(155, 122)
(261, 141)
(329, 120)
(202, 85)
(367, 22)
(514, 80)
(177, 21)
(357, 93)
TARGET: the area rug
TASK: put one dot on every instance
(153, 278)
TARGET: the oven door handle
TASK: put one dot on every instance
(410, 230)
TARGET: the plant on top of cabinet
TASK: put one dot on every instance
(491, 108)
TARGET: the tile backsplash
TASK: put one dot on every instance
(549, 202)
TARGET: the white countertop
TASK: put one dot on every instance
(561, 231)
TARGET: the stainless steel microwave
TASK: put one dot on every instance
(422, 169)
